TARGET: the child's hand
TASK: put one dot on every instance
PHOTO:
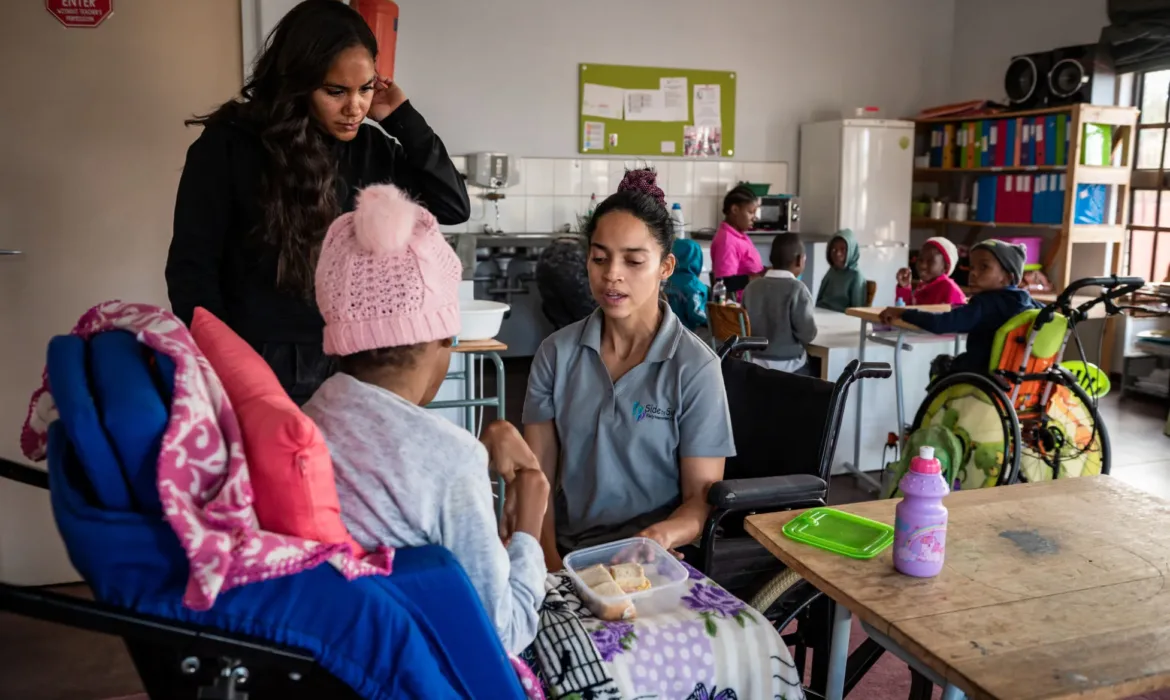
(525, 504)
(507, 451)
(903, 277)
(890, 314)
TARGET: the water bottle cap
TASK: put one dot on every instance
(925, 463)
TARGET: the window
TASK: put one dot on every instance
(1149, 235)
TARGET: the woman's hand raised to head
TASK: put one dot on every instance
(387, 98)
(508, 453)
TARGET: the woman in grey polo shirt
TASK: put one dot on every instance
(626, 409)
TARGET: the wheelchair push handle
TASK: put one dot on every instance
(1116, 286)
(736, 344)
(874, 370)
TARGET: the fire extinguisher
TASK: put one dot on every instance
(382, 16)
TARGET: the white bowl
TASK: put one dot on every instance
(481, 319)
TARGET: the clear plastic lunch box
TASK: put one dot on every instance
(666, 574)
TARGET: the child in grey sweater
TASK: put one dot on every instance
(387, 286)
(780, 308)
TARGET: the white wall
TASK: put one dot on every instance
(92, 141)
(502, 74)
(989, 32)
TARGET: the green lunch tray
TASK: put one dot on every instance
(840, 532)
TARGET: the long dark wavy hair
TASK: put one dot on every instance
(297, 190)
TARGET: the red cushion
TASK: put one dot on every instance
(288, 460)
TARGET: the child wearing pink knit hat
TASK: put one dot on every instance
(387, 286)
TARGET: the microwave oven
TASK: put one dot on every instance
(779, 213)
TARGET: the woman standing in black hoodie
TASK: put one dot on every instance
(275, 166)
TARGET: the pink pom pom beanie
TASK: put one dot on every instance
(386, 277)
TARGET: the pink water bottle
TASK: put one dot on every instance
(920, 521)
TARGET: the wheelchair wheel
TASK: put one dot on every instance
(978, 412)
(1069, 439)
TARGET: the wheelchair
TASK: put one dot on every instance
(420, 632)
(1028, 419)
(785, 428)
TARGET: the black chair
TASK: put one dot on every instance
(785, 428)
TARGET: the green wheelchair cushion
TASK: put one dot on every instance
(1046, 344)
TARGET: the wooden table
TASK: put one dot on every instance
(870, 315)
(1050, 590)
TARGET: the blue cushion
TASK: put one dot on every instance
(363, 633)
(131, 410)
(69, 383)
(418, 633)
(452, 607)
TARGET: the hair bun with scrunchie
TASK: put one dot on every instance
(643, 180)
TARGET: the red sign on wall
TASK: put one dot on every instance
(80, 13)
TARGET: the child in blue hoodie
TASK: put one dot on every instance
(843, 286)
(685, 293)
(996, 271)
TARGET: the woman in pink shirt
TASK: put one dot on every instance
(733, 254)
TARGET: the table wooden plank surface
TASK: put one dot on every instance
(492, 345)
(1050, 590)
(872, 313)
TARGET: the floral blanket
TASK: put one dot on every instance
(712, 647)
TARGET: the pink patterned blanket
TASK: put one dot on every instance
(202, 473)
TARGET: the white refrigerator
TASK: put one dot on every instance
(858, 174)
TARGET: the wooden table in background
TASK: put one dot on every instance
(1051, 590)
(870, 315)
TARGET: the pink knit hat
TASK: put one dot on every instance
(386, 277)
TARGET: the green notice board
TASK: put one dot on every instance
(658, 138)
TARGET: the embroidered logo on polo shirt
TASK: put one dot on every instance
(651, 411)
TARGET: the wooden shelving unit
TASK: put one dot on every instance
(1059, 253)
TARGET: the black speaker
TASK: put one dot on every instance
(1082, 74)
(1026, 80)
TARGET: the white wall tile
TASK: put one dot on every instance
(617, 170)
(662, 176)
(566, 176)
(513, 211)
(730, 174)
(539, 215)
(595, 178)
(704, 213)
(777, 174)
(538, 175)
(707, 178)
(682, 178)
(754, 172)
(565, 210)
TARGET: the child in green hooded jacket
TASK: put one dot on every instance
(843, 286)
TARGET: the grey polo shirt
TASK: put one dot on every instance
(620, 444)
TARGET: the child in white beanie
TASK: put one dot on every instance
(936, 263)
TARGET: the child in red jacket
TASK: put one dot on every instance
(936, 263)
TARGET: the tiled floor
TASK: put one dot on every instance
(40, 661)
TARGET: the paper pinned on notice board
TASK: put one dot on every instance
(594, 136)
(644, 105)
(675, 105)
(602, 101)
(708, 109)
